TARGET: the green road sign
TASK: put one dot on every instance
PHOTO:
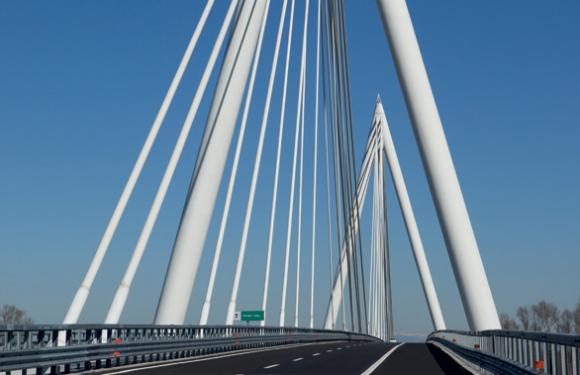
(253, 315)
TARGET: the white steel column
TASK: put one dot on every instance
(234, 172)
(122, 293)
(277, 170)
(314, 171)
(301, 175)
(252, 194)
(293, 180)
(82, 293)
(342, 267)
(409, 217)
(462, 247)
(300, 193)
(206, 180)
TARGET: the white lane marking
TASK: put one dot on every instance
(329, 351)
(297, 359)
(338, 348)
(315, 354)
(375, 365)
(348, 346)
(203, 359)
(272, 366)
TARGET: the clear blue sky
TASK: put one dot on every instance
(80, 83)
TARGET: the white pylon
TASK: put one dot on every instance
(462, 247)
(234, 171)
(250, 204)
(207, 177)
(409, 217)
(380, 141)
(342, 266)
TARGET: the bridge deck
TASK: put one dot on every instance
(327, 358)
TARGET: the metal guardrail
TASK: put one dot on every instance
(59, 349)
(532, 352)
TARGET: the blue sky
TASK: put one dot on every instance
(80, 83)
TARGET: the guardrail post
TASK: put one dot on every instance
(563, 360)
(537, 350)
(553, 358)
(530, 346)
(524, 351)
(545, 356)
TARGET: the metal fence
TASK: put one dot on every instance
(534, 352)
(73, 348)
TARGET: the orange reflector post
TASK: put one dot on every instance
(476, 346)
(539, 365)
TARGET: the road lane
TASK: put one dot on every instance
(415, 358)
(353, 360)
(321, 358)
(303, 359)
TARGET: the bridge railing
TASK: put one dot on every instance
(534, 352)
(42, 349)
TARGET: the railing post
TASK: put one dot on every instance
(563, 360)
(553, 366)
(545, 356)
(524, 351)
(575, 361)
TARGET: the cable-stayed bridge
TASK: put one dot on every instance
(356, 334)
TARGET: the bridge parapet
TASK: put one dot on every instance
(78, 348)
(514, 352)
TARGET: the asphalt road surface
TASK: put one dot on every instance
(327, 358)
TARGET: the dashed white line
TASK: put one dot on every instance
(329, 351)
(297, 359)
(315, 354)
(205, 358)
(272, 366)
(338, 348)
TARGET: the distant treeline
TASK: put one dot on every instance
(544, 317)
(11, 315)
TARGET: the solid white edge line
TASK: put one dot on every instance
(375, 365)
